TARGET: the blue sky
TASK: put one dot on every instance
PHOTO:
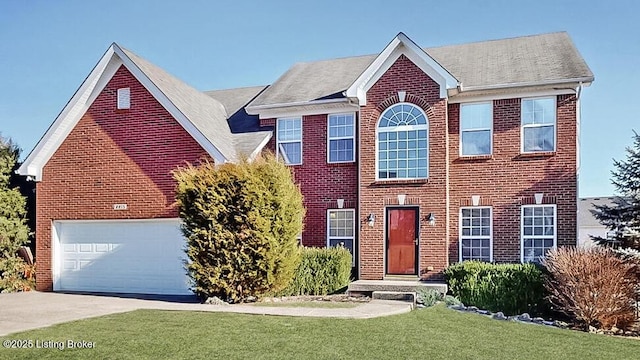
(47, 48)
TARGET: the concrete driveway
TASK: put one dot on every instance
(32, 310)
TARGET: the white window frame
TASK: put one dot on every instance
(555, 227)
(278, 141)
(471, 237)
(352, 238)
(352, 138)
(490, 103)
(396, 130)
(523, 126)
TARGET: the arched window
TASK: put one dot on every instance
(402, 143)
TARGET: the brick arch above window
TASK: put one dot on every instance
(409, 98)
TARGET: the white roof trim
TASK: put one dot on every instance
(400, 45)
(261, 146)
(78, 105)
(306, 108)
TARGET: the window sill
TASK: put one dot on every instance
(400, 182)
(474, 157)
(340, 163)
(539, 154)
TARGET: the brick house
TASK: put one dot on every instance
(412, 158)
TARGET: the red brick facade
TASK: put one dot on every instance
(321, 183)
(430, 195)
(504, 180)
(126, 156)
(112, 157)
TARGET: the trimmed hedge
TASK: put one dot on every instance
(322, 271)
(510, 288)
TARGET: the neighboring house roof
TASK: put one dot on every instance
(521, 61)
(586, 209)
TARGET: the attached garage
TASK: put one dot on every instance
(124, 256)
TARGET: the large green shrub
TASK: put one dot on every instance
(510, 288)
(322, 271)
(14, 232)
(241, 222)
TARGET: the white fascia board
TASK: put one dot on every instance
(400, 45)
(67, 119)
(171, 108)
(261, 146)
(480, 97)
(308, 108)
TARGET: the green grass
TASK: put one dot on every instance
(434, 333)
(309, 304)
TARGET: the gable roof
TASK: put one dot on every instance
(520, 61)
(202, 116)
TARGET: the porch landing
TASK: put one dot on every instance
(367, 287)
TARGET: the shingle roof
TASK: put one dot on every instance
(586, 208)
(516, 61)
(207, 114)
(245, 128)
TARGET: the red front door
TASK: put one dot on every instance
(402, 241)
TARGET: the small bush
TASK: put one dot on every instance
(593, 286)
(322, 271)
(510, 288)
(451, 300)
(428, 297)
(241, 223)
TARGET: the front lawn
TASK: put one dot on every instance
(434, 333)
(310, 304)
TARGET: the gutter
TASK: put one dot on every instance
(586, 81)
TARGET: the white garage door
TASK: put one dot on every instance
(144, 257)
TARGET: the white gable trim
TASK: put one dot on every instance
(86, 94)
(400, 45)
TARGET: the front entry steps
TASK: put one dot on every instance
(395, 296)
(402, 290)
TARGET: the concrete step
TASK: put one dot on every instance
(394, 295)
(367, 287)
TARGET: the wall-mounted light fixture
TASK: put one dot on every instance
(371, 219)
(431, 219)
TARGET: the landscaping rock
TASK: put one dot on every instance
(214, 300)
(560, 324)
(592, 329)
(524, 317)
(251, 299)
(420, 306)
(548, 323)
(537, 320)
(499, 316)
(483, 312)
(472, 308)
(458, 307)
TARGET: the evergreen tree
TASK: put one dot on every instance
(623, 217)
(14, 232)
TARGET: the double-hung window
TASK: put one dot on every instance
(476, 234)
(538, 125)
(341, 229)
(539, 231)
(476, 127)
(289, 140)
(341, 137)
